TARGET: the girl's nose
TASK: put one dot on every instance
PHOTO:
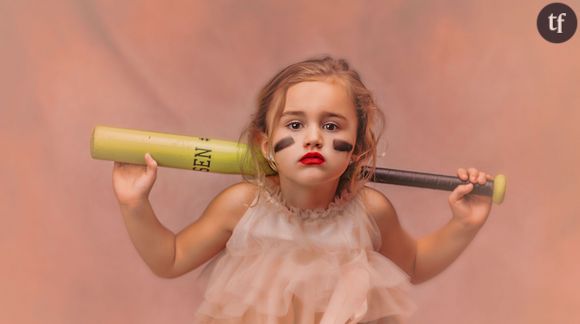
(313, 138)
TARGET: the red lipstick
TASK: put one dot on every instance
(312, 158)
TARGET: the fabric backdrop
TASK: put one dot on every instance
(463, 83)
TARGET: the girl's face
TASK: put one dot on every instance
(313, 140)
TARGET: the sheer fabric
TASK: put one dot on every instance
(286, 265)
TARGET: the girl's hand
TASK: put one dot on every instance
(470, 210)
(132, 183)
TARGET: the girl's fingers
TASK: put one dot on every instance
(118, 167)
(462, 174)
(481, 179)
(473, 173)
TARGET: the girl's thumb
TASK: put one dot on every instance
(151, 163)
(460, 191)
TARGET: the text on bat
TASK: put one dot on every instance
(202, 159)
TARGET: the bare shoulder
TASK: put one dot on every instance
(232, 203)
(378, 206)
(240, 193)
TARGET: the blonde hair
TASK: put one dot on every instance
(273, 96)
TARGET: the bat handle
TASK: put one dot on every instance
(495, 188)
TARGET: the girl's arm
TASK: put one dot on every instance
(169, 255)
(430, 255)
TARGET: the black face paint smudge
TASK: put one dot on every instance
(283, 143)
(342, 146)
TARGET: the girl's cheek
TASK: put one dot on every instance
(342, 145)
(283, 143)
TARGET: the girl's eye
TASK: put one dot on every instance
(330, 126)
(294, 125)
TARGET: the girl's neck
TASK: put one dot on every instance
(308, 197)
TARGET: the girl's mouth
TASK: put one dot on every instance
(311, 158)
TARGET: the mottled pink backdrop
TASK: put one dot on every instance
(463, 83)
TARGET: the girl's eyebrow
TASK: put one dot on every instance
(299, 113)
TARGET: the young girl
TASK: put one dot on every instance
(311, 244)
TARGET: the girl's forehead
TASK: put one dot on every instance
(316, 95)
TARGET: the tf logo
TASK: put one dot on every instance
(557, 22)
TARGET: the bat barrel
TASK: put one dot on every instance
(169, 150)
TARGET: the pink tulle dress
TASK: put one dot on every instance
(287, 265)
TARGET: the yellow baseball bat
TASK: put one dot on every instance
(220, 156)
(169, 150)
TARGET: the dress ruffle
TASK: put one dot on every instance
(279, 270)
(274, 196)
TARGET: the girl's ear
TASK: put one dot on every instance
(264, 144)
